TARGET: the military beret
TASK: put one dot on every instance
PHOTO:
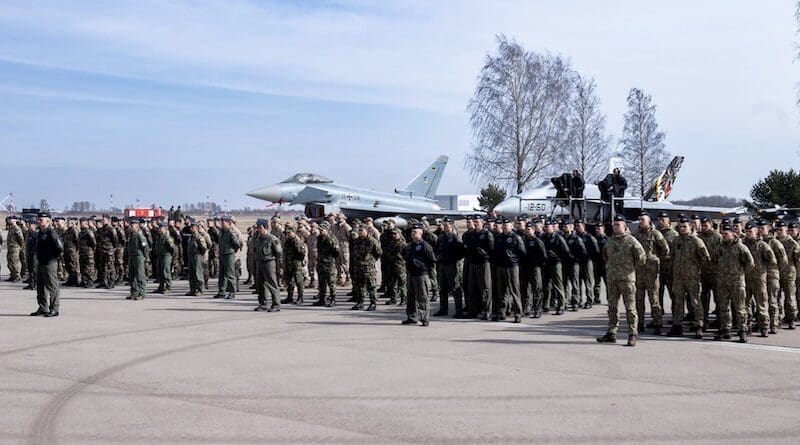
(780, 223)
(792, 225)
(488, 220)
(579, 221)
(663, 215)
(725, 221)
(643, 213)
(619, 218)
(736, 220)
(683, 219)
(12, 217)
(681, 215)
(134, 221)
(530, 224)
(726, 228)
(114, 219)
(695, 216)
(749, 225)
(145, 220)
(524, 216)
(505, 220)
(31, 220)
(59, 218)
(193, 223)
(261, 222)
(761, 222)
(83, 219)
(705, 219)
(551, 222)
(43, 215)
(447, 219)
(418, 226)
(565, 221)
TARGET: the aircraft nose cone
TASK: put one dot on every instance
(509, 207)
(272, 193)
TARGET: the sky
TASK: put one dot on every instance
(175, 101)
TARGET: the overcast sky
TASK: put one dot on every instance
(170, 101)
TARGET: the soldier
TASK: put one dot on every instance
(311, 247)
(366, 251)
(449, 252)
(327, 254)
(420, 260)
(788, 273)
(138, 249)
(395, 267)
(86, 245)
(756, 279)
(479, 246)
(15, 244)
(294, 255)
(252, 237)
(58, 223)
(430, 238)
(177, 257)
(48, 250)
(599, 263)
(689, 254)
(196, 248)
(655, 247)
(587, 263)
(1, 247)
(623, 255)
(341, 231)
(186, 234)
(509, 249)
(71, 257)
(266, 251)
(213, 251)
(553, 282)
(665, 269)
(30, 255)
(531, 272)
(164, 247)
(229, 244)
(708, 273)
(734, 261)
(773, 275)
(107, 241)
(572, 266)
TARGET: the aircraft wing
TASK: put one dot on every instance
(311, 195)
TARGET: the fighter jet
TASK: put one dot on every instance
(321, 196)
(551, 199)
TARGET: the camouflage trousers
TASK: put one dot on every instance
(343, 264)
(119, 264)
(449, 276)
(62, 269)
(531, 288)
(365, 280)
(72, 264)
(508, 297)
(773, 297)
(553, 282)
(686, 289)
(396, 283)
(23, 261)
(757, 300)
(480, 288)
(326, 274)
(312, 268)
(418, 302)
(731, 293)
(14, 264)
(293, 277)
(627, 291)
(213, 262)
(434, 279)
(789, 294)
(106, 267)
(647, 282)
(86, 258)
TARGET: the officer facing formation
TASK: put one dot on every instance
(420, 259)
(49, 249)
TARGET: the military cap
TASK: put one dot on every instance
(288, 228)
(437, 221)
(725, 221)
(683, 219)
(12, 217)
(749, 225)
(353, 231)
(663, 215)
(417, 226)
(761, 222)
(695, 216)
(488, 220)
(780, 223)
(705, 219)
(793, 225)
(31, 220)
(726, 228)
(736, 220)
(225, 218)
(530, 224)
(580, 221)
(114, 219)
(83, 219)
(145, 220)
(134, 221)
(385, 222)
(681, 215)
(551, 222)
(105, 215)
(619, 218)
(565, 221)
(162, 224)
(43, 215)
(643, 213)
(324, 225)
(261, 222)
(447, 219)
(193, 223)
(505, 220)
(524, 216)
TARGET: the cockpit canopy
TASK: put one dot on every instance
(306, 178)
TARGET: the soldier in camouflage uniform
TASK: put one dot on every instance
(164, 247)
(294, 255)
(689, 254)
(665, 268)
(327, 254)
(311, 244)
(107, 241)
(366, 251)
(138, 249)
(266, 252)
(71, 257)
(196, 248)
(773, 275)
(23, 256)
(708, 273)
(788, 273)
(58, 225)
(623, 255)
(756, 278)
(86, 245)
(655, 247)
(120, 271)
(396, 269)
(14, 245)
(341, 231)
(733, 263)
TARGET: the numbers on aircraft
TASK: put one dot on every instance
(536, 207)
(350, 197)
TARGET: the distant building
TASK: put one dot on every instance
(464, 203)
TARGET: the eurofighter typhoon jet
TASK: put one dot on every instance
(321, 196)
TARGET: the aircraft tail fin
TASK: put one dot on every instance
(662, 187)
(427, 182)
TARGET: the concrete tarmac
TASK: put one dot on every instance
(175, 369)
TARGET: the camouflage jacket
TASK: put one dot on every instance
(654, 245)
(669, 235)
(733, 262)
(712, 240)
(366, 251)
(622, 255)
(773, 270)
(294, 250)
(393, 255)
(688, 254)
(86, 240)
(792, 250)
(15, 237)
(107, 239)
(327, 249)
(70, 238)
(762, 258)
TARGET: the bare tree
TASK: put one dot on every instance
(643, 150)
(518, 116)
(588, 148)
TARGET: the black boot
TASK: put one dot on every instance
(608, 338)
